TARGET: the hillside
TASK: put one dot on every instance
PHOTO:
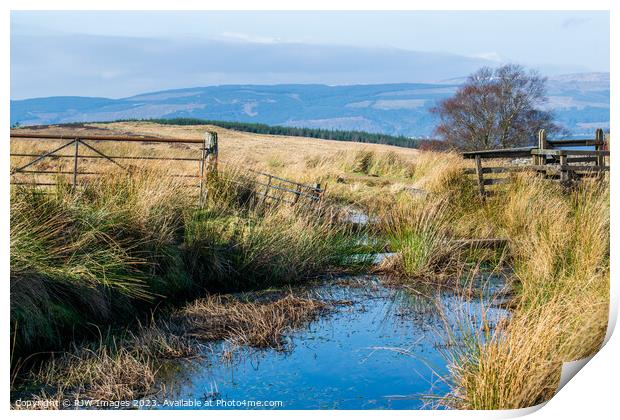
(258, 150)
(580, 101)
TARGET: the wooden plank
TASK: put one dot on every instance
(586, 168)
(499, 153)
(574, 143)
(499, 169)
(583, 159)
(72, 136)
(496, 181)
(481, 243)
(512, 169)
(553, 152)
(509, 169)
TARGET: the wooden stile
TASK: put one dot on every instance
(565, 165)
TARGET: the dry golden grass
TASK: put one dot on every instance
(297, 158)
(123, 370)
(560, 253)
(253, 323)
(259, 150)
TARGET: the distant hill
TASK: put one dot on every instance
(580, 102)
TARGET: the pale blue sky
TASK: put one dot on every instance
(553, 41)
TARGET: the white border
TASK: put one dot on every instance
(592, 394)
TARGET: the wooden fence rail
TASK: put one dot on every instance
(547, 159)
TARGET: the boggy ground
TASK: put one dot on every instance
(89, 260)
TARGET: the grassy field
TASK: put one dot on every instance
(85, 260)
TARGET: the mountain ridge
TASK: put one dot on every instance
(580, 102)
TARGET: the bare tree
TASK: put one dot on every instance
(495, 108)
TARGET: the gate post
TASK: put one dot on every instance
(208, 162)
(211, 152)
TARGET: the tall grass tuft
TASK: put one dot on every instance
(103, 252)
(560, 262)
(417, 230)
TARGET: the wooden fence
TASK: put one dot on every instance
(548, 158)
(72, 162)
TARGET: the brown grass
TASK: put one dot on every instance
(127, 369)
(254, 323)
(119, 370)
(560, 251)
(559, 254)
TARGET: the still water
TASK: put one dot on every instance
(379, 348)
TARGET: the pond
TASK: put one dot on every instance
(380, 348)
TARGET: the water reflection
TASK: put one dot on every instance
(381, 348)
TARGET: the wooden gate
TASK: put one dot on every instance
(49, 159)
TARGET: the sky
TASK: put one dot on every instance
(118, 54)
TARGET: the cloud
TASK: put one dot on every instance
(492, 56)
(575, 22)
(93, 65)
(243, 37)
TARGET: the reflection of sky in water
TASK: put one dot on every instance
(345, 360)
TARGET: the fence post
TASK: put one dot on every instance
(321, 193)
(564, 171)
(542, 145)
(201, 168)
(480, 175)
(600, 137)
(267, 188)
(75, 162)
(208, 162)
(296, 199)
(606, 147)
(212, 150)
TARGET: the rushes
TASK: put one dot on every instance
(112, 370)
(252, 323)
(116, 245)
(560, 251)
(520, 364)
(125, 368)
(417, 230)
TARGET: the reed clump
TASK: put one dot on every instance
(117, 368)
(560, 261)
(79, 257)
(418, 232)
(109, 250)
(557, 261)
(256, 323)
